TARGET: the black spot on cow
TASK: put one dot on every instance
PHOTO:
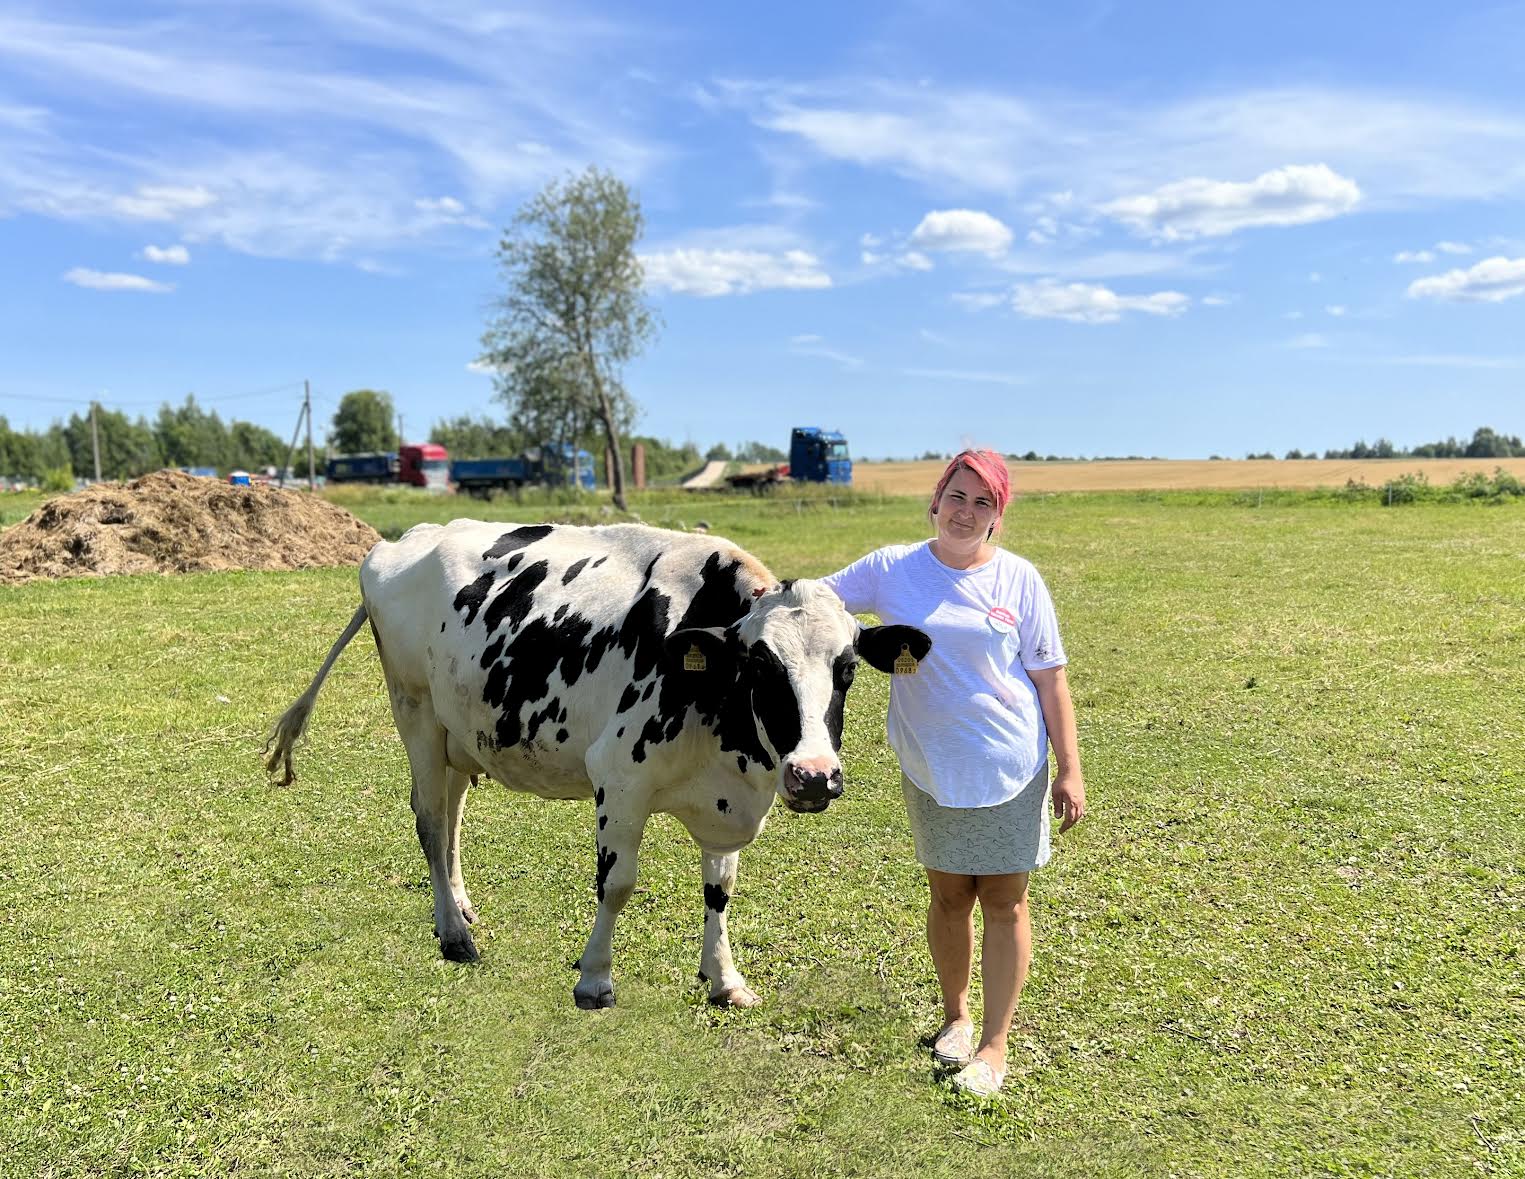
(598, 797)
(787, 583)
(522, 675)
(842, 671)
(603, 821)
(470, 597)
(513, 563)
(560, 611)
(716, 897)
(600, 561)
(516, 599)
(773, 698)
(573, 570)
(646, 577)
(442, 628)
(651, 687)
(561, 736)
(642, 632)
(606, 860)
(517, 539)
(720, 600)
(538, 718)
(599, 645)
(741, 762)
(494, 649)
(722, 806)
(627, 699)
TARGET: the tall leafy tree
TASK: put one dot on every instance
(128, 448)
(573, 314)
(365, 421)
(466, 437)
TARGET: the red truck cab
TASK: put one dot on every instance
(424, 465)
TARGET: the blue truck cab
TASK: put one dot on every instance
(819, 456)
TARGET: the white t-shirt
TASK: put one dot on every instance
(967, 727)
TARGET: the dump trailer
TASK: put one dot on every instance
(550, 466)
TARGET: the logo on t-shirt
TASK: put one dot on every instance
(1001, 619)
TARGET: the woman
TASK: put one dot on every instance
(972, 729)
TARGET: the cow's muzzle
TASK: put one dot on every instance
(809, 788)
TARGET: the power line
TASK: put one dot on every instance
(113, 403)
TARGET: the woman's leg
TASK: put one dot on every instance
(950, 937)
(1004, 956)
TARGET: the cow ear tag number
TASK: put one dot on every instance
(695, 660)
(905, 662)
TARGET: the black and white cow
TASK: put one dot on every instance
(644, 669)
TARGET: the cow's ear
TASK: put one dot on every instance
(882, 645)
(699, 650)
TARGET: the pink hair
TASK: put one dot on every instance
(989, 467)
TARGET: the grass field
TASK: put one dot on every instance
(1287, 940)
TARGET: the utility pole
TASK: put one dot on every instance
(312, 467)
(95, 442)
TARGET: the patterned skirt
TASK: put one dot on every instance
(982, 840)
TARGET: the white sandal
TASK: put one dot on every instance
(978, 1079)
(954, 1044)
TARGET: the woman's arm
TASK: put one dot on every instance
(1059, 717)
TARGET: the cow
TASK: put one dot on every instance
(646, 670)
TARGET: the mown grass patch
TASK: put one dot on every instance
(1287, 940)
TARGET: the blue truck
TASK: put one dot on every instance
(815, 456)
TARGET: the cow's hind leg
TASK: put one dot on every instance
(434, 816)
(727, 987)
(619, 843)
(456, 786)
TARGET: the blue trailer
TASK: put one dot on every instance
(552, 466)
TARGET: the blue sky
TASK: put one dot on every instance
(1090, 228)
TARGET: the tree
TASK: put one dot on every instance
(759, 452)
(466, 437)
(719, 453)
(364, 422)
(574, 312)
(191, 437)
(128, 449)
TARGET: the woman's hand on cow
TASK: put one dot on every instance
(1069, 794)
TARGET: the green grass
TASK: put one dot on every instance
(1287, 940)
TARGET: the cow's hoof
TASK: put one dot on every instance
(595, 1002)
(461, 949)
(737, 996)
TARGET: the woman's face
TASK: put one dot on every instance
(966, 511)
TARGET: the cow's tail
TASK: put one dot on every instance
(293, 723)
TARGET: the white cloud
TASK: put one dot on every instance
(813, 345)
(1082, 302)
(961, 229)
(869, 258)
(98, 280)
(1453, 247)
(1217, 300)
(1293, 195)
(1490, 281)
(167, 256)
(1336, 310)
(1308, 340)
(445, 206)
(914, 260)
(162, 202)
(708, 273)
(1413, 256)
(953, 374)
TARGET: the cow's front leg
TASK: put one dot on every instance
(727, 987)
(456, 785)
(619, 841)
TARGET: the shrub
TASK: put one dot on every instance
(56, 479)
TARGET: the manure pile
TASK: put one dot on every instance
(169, 522)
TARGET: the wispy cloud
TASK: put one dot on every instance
(1405, 256)
(710, 273)
(99, 280)
(1185, 209)
(813, 345)
(1082, 302)
(1308, 340)
(954, 374)
(167, 255)
(1490, 281)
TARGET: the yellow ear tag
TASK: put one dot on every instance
(695, 660)
(905, 662)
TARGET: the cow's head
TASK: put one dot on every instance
(789, 663)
